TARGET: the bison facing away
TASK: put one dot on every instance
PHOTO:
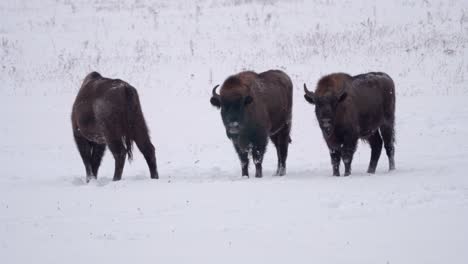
(349, 108)
(108, 112)
(253, 108)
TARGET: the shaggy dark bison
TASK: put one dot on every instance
(108, 112)
(349, 108)
(253, 108)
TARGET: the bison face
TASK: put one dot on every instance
(232, 111)
(325, 109)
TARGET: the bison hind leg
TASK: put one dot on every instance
(147, 149)
(281, 140)
(388, 135)
(84, 147)
(96, 157)
(119, 152)
(375, 141)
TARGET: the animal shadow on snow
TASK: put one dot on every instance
(81, 181)
(326, 173)
(103, 181)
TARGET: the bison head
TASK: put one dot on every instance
(232, 110)
(325, 108)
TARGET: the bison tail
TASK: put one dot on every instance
(129, 147)
(133, 108)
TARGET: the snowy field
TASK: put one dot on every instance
(201, 210)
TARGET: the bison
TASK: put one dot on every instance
(253, 108)
(108, 112)
(349, 108)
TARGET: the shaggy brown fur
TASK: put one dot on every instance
(349, 108)
(108, 112)
(253, 108)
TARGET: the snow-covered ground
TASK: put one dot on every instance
(201, 210)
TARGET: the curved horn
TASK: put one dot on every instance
(309, 95)
(307, 92)
(214, 91)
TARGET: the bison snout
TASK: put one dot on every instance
(326, 126)
(233, 127)
(326, 122)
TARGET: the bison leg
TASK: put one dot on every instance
(335, 155)
(276, 142)
(347, 152)
(257, 155)
(244, 159)
(96, 157)
(388, 135)
(118, 151)
(84, 147)
(375, 141)
(281, 141)
(147, 149)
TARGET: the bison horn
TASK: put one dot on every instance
(214, 91)
(307, 92)
(309, 95)
(215, 98)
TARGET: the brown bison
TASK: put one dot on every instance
(108, 112)
(253, 108)
(349, 108)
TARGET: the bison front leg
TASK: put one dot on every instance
(244, 159)
(257, 155)
(335, 155)
(347, 152)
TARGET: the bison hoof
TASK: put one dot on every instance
(89, 178)
(347, 173)
(281, 172)
(337, 174)
(371, 171)
(155, 177)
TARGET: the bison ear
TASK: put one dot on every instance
(309, 98)
(248, 100)
(215, 102)
(342, 96)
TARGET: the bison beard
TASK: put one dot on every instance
(108, 112)
(351, 108)
(253, 108)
